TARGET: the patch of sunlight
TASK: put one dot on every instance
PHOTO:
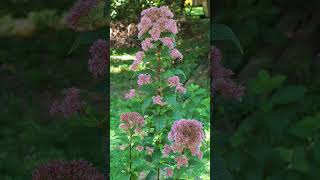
(119, 69)
(206, 176)
(124, 57)
(207, 136)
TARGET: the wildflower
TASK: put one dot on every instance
(75, 169)
(139, 148)
(144, 79)
(80, 9)
(149, 150)
(130, 120)
(138, 130)
(180, 88)
(147, 44)
(168, 171)
(171, 26)
(168, 41)
(173, 81)
(99, 58)
(181, 161)
(130, 94)
(166, 150)
(221, 77)
(186, 134)
(158, 100)
(176, 54)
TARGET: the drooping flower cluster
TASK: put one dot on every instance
(174, 81)
(144, 79)
(76, 169)
(99, 57)
(186, 134)
(69, 105)
(221, 77)
(130, 94)
(80, 9)
(130, 120)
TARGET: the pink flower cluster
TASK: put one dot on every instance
(158, 100)
(70, 104)
(147, 44)
(174, 81)
(138, 58)
(175, 53)
(139, 148)
(130, 94)
(186, 134)
(80, 9)
(168, 171)
(168, 41)
(221, 77)
(130, 120)
(166, 150)
(181, 161)
(157, 20)
(99, 52)
(144, 79)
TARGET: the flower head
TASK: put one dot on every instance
(144, 79)
(139, 148)
(99, 58)
(147, 44)
(166, 150)
(158, 100)
(168, 41)
(186, 134)
(130, 120)
(181, 161)
(69, 105)
(180, 88)
(173, 81)
(138, 58)
(75, 169)
(80, 9)
(130, 94)
(175, 53)
(168, 171)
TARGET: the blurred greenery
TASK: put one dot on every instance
(273, 133)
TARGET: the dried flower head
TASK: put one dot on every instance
(149, 150)
(139, 148)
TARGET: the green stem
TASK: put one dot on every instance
(159, 92)
(130, 156)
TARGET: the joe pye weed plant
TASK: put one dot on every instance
(158, 141)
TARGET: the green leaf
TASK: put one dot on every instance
(220, 32)
(288, 95)
(152, 174)
(171, 100)
(180, 72)
(159, 122)
(299, 161)
(145, 104)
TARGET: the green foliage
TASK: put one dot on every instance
(272, 133)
